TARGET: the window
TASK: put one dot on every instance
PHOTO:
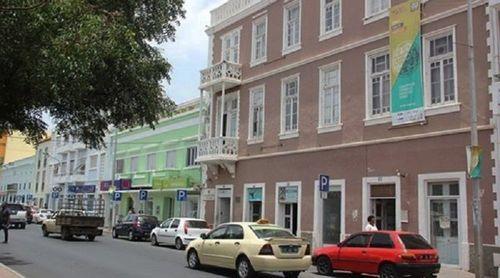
(331, 17)
(256, 120)
(192, 154)
(259, 41)
(440, 65)
(175, 224)
(376, 7)
(151, 161)
(134, 164)
(358, 241)
(329, 96)
(291, 28)
(290, 105)
(234, 232)
(219, 233)
(119, 166)
(381, 241)
(379, 84)
(166, 223)
(171, 159)
(414, 242)
(231, 46)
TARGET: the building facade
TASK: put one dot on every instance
(300, 88)
(159, 161)
(41, 174)
(13, 147)
(16, 179)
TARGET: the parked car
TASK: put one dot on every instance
(386, 253)
(135, 226)
(29, 214)
(250, 248)
(17, 216)
(178, 232)
(41, 215)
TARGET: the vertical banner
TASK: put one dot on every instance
(474, 161)
(407, 101)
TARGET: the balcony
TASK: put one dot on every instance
(224, 72)
(218, 151)
(230, 9)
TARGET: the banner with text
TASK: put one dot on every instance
(407, 101)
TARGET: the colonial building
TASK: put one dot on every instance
(16, 181)
(41, 173)
(299, 88)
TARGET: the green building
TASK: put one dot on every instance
(161, 161)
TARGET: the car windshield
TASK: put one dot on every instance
(197, 224)
(414, 242)
(147, 219)
(262, 231)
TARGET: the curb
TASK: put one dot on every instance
(7, 270)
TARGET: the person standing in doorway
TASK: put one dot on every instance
(5, 221)
(371, 226)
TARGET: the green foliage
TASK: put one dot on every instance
(87, 62)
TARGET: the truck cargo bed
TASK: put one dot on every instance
(79, 221)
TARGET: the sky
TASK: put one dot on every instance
(188, 54)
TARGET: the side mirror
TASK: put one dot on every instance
(203, 236)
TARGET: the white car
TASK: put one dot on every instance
(42, 215)
(178, 232)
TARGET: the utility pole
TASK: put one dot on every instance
(113, 173)
(476, 203)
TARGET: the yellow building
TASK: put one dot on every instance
(13, 147)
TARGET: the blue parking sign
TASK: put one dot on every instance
(117, 196)
(143, 195)
(324, 183)
(181, 195)
(55, 195)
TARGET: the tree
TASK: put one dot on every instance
(89, 63)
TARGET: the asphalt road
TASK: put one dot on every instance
(34, 256)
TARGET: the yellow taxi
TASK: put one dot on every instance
(250, 248)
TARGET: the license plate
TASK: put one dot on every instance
(289, 249)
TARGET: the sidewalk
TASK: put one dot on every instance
(6, 272)
(444, 273)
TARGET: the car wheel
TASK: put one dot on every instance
(44, 231)
(154, 240)
(193, 260)
(244, 268)
(324, 265)
(387, 271)
(131, 236)
(291, 274)
(114, 234)
(178, 244)
(90, 237)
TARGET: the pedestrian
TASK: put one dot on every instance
(371, 226)
(5, 221)
(131, 211)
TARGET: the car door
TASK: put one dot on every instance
(172, 231)
(381, 247)
(124, 226)
(50, 224)
(230, 245)
(210, 254)
(162, 231)
(353, 253)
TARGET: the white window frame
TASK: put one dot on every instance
(148, 166)
(292, 48)
(322, 128)
(231, 96)
(216, 202)
(193, 156)
(290, 133)
(251, 138)
(299, 202)
(122, 161)
(494, 11)
(370, 118)
(324, 35)
(175, 159)
(132, 159)
(427, 61)
(372, 17)
(231, 34)
(246, 186)
(254, 60)
(366, 193)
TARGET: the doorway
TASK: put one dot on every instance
(332, 215)
(168, 205)
(288, 209)
(383, 205)
(229, 116)
(223, 205)
(253, 207)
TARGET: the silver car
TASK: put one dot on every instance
(178, 232)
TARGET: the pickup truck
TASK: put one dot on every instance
(71, 223)
(17, 216)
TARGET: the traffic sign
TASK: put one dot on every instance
(181, 195)
(117, 196)
(143, 195)
(324, 183)
(55, 195)
(56, 189)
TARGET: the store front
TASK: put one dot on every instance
(254, 200)
(288, 196)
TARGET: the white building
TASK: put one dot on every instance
(41, 175)
(16, 181)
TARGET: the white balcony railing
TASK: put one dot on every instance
(229, 9)
(218, 149)
(221, 72)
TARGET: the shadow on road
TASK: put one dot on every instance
(232, 273)
(8, 259)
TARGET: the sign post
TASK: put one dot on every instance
(143, 197)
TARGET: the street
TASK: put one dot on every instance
(34, 256)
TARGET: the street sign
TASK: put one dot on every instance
(117, 196)
(55, 195)
(143, 195)
(56, 189)
(181, 195)
(324, 183)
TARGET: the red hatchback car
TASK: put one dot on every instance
(386, 253)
